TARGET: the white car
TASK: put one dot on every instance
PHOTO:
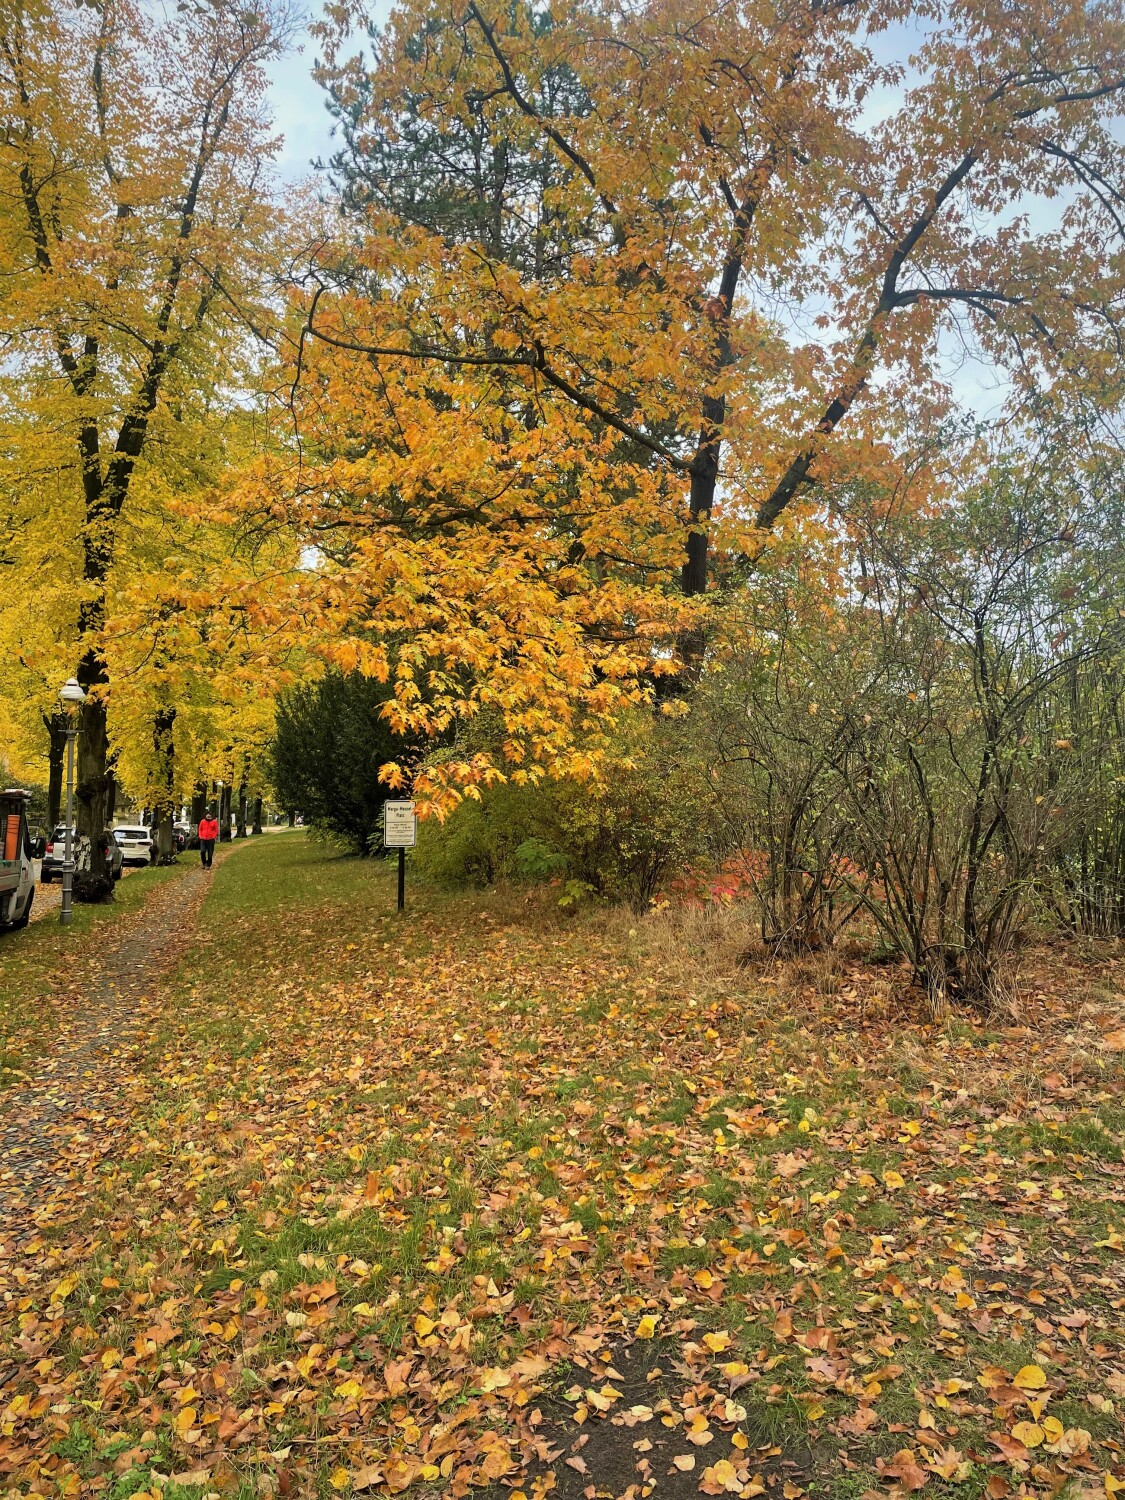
(135, 844)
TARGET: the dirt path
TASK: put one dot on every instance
(57, 1126)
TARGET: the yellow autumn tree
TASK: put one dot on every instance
(618, 288)
(134, 218)
(39, 593)
(194, 680)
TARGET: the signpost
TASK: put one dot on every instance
(400, 831)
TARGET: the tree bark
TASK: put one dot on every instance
(164, 812)
(224, 813)
(56, 757)
(198, 803)
(257, 826)
(292, 815)
(95, 789)
(240, 827)
(93, 792)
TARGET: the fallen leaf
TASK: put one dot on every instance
(1030, 1434)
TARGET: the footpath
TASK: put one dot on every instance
(59, 1124)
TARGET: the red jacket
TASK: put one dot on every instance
(208, 828)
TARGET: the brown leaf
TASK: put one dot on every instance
(905, 1468)
(1013, 1450)
(861, 1420)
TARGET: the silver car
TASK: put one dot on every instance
(55, 854)
(135, 844)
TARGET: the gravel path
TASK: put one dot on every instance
(58, 1125)
(48, 898)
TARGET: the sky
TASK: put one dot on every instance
(298, 109)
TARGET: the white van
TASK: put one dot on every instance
(17, 873)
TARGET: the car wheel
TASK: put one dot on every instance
(46, 877)
(116, 874)
(26, 918)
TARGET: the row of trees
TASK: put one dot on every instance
(138, 248)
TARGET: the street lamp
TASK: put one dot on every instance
(72, 698)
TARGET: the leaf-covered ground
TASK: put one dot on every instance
(486, 1201)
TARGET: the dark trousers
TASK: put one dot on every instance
(206, 852)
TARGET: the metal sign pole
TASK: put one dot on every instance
(400, 831)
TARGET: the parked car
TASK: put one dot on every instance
(54, 856)
(182, 833)
(17, 875)
(136, 844)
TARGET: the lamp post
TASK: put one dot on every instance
(72, 698)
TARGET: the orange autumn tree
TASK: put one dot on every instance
(623, 285)
(133, 221)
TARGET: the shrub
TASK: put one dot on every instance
(618, 839)
(918, 750)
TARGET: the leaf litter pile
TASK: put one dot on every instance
(477, 1203)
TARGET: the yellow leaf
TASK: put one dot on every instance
(723, 1474)
(424, 1326)
(717, 1342)
(703, 1279)
(340, 1478)
(1052, 1429)
(646, 1328)
(1030, 1378)
(1030, 1434)
(893, 1179)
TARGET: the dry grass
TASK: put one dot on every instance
(702, 946)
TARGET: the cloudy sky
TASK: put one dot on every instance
(298, 107)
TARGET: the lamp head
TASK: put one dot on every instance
(71, 694)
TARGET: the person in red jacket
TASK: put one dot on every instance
(208, 833)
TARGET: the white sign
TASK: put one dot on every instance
(400, 826)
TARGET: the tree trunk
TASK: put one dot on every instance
(257, 827)
(224, 813)
(292, 817)
(95, 789)
(56, 759)
(198, 803)
(164, 812)
(240, 830)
